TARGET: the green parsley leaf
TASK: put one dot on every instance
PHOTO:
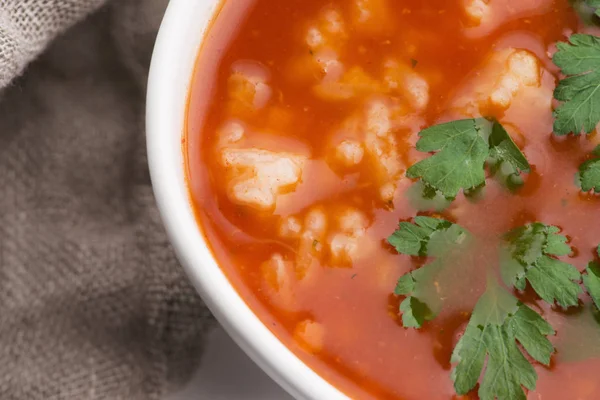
(426, 237)
(422, 302)
(588, 10)
(463, 147)
(588, 176)
(415, 312)
(460, 160)
(505, 157)
(528, 255)
(578, 339)
(497, 322)
(591, 280)
(423, 198)
(595, 4)
(580, 91)
(412, 239)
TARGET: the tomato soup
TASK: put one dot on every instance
(303, 120)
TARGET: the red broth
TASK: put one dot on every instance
(292, 86)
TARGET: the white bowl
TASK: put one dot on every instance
(183, 29)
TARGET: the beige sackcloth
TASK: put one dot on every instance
(93, 304)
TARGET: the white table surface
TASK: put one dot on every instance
(227, 373)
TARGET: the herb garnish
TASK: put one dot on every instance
(504, 336)
(588, 177)
(426, 237)
(591, 280)
(497, 322)
(529, 254)
(595, 4)
(501, 328)
(580, 91)
(463, 148)
(588, 11)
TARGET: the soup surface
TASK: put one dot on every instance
(304, 118)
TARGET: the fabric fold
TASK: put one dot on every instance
(93, 303)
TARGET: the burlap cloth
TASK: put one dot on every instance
(93, 304)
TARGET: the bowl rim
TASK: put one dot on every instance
(183, 30)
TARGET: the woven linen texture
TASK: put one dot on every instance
(93, 304)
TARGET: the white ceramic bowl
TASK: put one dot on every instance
(183, 29)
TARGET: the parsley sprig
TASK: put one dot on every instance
(462, 149)
(588, 10)
(430, 237)
(595, 4)
(501, 328)
(498, 322)
(580, 90)
(591, 280)
(504, 337)
(588, 177)
(529, 254)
